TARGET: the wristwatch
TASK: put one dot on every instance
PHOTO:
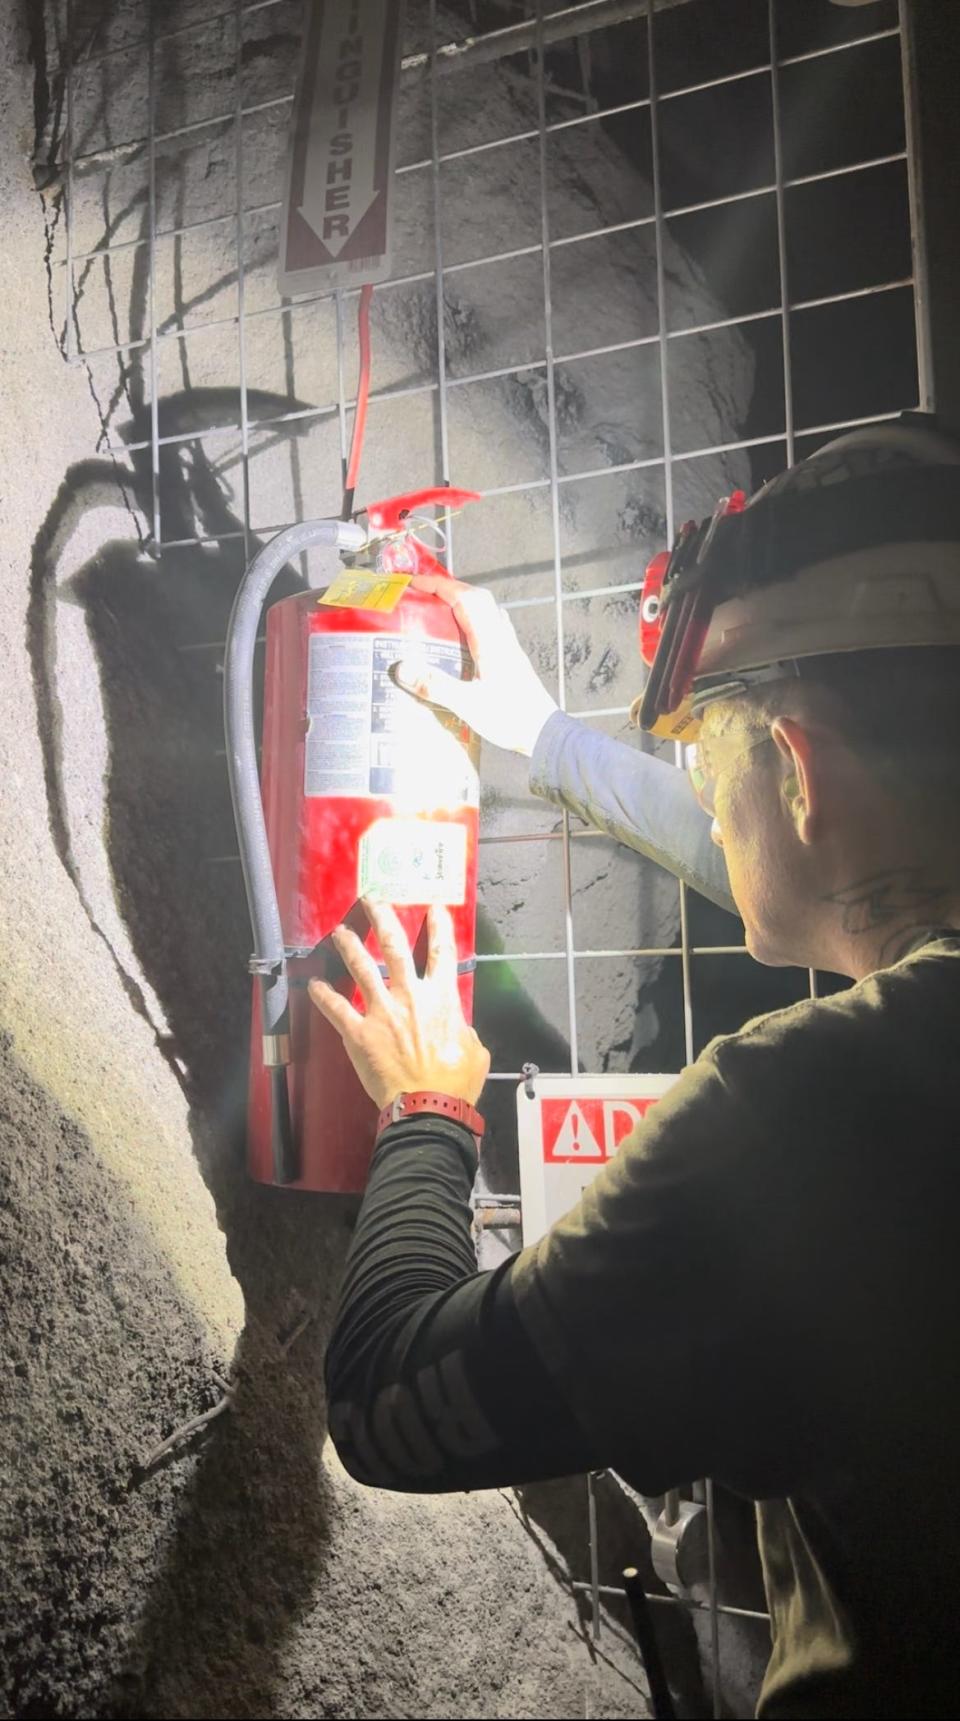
(441, 1105)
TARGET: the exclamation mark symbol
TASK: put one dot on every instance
(575, 1125)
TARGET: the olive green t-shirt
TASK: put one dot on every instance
(764, 1287)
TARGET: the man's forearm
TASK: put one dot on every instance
(432, 1382)
(642, 801)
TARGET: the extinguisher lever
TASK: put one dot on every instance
(391, 515)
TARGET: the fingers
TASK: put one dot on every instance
(394, 945)
(339, 1012)
(475, 610)
(360, 965)
(441, 962)
(435, 686)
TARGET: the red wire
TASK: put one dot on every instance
(363, 390)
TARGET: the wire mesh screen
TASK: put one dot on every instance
(643, 255)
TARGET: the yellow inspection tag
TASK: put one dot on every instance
(361, 589)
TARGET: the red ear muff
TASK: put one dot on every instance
(651, 609)
(674, 625)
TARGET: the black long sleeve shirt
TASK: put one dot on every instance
(762, 1286)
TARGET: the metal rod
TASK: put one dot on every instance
(616, 1593)
(918, 223)
(671, 214)
(498, 1218)
(241, 335)
(397, 391)
(156, 524)
(575, 20)
(302, 415)
(438, 272)
(594, 1554)
(671, 1499)
(581, 20)
(713, 1602)
(540, 39)
(109, 154)
(671, 1504)
(781, 231)
(69, 330)
(596, 472)
(488, 259)
(785, 333)
(404, 391)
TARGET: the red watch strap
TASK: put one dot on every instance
(441, 1105)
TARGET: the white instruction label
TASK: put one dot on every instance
(413, 860)
(367, 737)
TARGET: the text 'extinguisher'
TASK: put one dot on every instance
(363, 792)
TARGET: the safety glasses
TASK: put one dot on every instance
(707, 759)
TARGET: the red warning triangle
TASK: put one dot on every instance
(568, 1134)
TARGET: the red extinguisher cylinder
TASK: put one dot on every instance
(366, 792)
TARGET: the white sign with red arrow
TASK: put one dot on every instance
(568, 1130)
(336, 222)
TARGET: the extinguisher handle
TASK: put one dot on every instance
(390, 515)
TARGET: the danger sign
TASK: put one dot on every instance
(336, 207)
(588, 1128)
(568, 1130)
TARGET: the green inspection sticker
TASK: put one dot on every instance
(413, 860)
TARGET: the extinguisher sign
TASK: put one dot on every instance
(568, 1131)
(336, 220)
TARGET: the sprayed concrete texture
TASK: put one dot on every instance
(142, 1278)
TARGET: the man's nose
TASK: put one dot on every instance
(716, 835)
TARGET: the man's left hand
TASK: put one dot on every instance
(413, 1038)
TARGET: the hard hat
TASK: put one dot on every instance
(854, 549)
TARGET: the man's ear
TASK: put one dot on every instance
(801, 783)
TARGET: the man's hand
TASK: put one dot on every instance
(413, 1038)
(506, 702)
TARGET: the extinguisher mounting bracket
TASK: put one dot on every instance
(264, 966)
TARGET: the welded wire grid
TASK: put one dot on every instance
(158, 331)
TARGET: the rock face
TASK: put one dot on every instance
(243, 1574)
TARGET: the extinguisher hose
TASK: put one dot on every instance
(268, 961)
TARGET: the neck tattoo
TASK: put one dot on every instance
(901, 899)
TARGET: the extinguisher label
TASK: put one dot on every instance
(366, 737)
(413, 860)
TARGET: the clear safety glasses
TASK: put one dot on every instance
(707, 759)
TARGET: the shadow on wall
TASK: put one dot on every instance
(252, 1525)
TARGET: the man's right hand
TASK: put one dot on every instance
(506, 702)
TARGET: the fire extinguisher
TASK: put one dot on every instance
(363, 792)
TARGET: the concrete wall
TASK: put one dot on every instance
(244, 1574)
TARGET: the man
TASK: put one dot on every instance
(777, 1245)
